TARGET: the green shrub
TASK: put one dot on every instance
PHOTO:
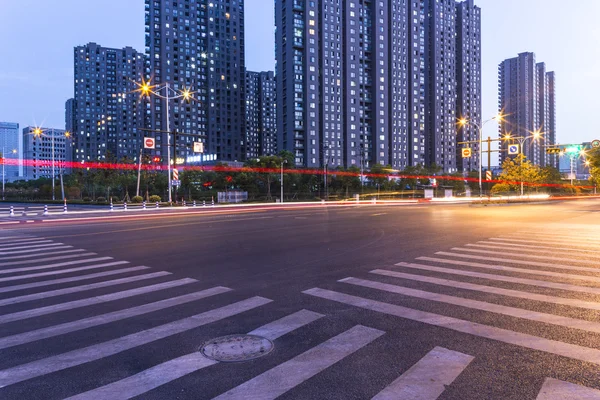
(101, 200)
(154, 198)
(137, 199)
(87, 199)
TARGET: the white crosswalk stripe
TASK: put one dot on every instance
(50, 266)
(535, 256)
(36, 256)
(492, 289)
(63, 271)
(53, 247)
(30, 249)
(480, 305)
(23, 286)
(166, 372)
(512, 269)
(553, 389)
(531, 248)
(290, 374)
(95, 352)
(79, 253)
(427, 379)
(77, 289)
(5, 245)
(573, 243)
(36, 312)
(44, 333)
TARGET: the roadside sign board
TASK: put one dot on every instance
(149, 143)
(513, 149)
(595, 143)
(198, 147)
(467, 152)
(176, 182)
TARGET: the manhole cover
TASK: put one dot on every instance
(234, 348)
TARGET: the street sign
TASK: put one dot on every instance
(554, 150)
(513, 149)
(488, 175)
(595, 143)
(176, 182)
(467, 152)
(149, 143)
(198, 147)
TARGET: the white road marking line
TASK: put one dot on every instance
(62, 271)
(515, 261)
(524, 247)
(529, 239)
(574, 236)
(48, 266)
(287, 324)
(40, 247)
(56, 330)
(82, 288)
(5, 245)
(77, 357)
(553, 389)
(530, 315)
(519, 270)
(590, 305)
(472, 328)
(166, 372)
(24, 237)
(428, 378)
(55, 247)
(45, 254)
(286, 376)
(39, 260)
(13, 288)
(36, 312)
(520, 254)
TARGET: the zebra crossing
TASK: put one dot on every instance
(552, 269)
(87, 293)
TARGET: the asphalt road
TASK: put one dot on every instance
(441, 301)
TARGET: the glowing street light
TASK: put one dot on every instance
(146, 89)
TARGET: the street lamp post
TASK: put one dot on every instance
(14, 151)
(462, 122)
(186, 94)
(282, 162)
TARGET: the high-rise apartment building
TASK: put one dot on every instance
(261, 126)
(527, 99)
(10, 150)
(198, 45)
(108, 113)
(468, 79)
(46, 154)
(363, 82)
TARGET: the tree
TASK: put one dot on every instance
(519, 170)
(593, 157)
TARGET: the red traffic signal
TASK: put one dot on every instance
(156, 159)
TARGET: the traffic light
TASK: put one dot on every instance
(573, 149)
(157, 159)
(553, 151)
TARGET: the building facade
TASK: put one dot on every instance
(70, 112)
(108, 114)
(197, 45)
(10, 150)
(47, 154)
(361, 82)
(261, 124)
(527, 98)
(468, 77)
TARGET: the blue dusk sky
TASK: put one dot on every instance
(37, 39)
